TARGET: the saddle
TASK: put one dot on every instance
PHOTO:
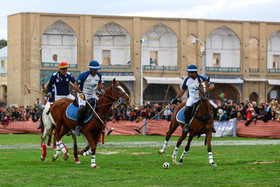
(72, 110)
(180, 115)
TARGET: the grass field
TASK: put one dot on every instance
(142, 166)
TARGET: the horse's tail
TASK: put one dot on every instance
(38, 113)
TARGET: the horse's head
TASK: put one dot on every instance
(204, 88)
(117, 93)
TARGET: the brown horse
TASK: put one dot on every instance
(201, 123)
(93, 128)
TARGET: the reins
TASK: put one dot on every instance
(206, 117)
(111, 98)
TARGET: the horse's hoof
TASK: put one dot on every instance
(54, 158)
(42, 158)
(65, 156)
(214, 165)
(160, 151)
(180, 163)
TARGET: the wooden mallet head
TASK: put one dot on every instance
(27, 88)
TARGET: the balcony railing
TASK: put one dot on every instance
(115, 66)
(273, 70)
(222, 69)
(167, 68)
(254, 70)
(55, 65)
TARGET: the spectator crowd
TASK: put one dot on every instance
(241, 111)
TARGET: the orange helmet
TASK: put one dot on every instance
(63, 65)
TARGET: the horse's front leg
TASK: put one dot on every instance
(186, 149)
(208, 141)
(172, 128)
(179, 142)
(85, 149)
(92, 140)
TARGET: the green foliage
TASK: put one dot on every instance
(3, 43)
(256, 165)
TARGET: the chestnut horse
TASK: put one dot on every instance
(91, 129)
(201, 122)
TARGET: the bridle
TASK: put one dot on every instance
(112, 99)
(203, 93)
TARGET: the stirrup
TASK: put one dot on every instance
(186, 128)
(78, 130)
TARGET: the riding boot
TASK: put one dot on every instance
(187, 115)
(80, 118)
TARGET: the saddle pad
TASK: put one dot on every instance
(72, 111)
(180, 115)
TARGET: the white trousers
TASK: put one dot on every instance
(191, 101)
(57, 97)
(83, 102)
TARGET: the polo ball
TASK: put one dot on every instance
(165, 165)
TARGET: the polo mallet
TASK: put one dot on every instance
(138, 130)
(30, 89)
(109, 131)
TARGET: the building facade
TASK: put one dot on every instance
(149, 56)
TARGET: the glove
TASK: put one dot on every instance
(82, 96)
(175, 100)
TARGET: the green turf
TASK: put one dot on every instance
(254, 165)
(237, 166)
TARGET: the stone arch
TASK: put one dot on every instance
(222, 48)
(274, 94)
(159, 46)
(254, 97)
(273, 51)
(230, 92)
(112, 44)
(123, 85)
(155, 93)
(253, 53)
(60, 41)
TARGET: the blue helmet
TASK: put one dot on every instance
(192, 68)
(94, 65)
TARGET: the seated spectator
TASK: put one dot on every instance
(250, 110)
(233, 113)
(239, 116)
(222, 115)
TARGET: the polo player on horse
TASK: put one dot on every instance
(86, 85)
(191, 84)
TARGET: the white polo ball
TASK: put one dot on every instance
(165, 165)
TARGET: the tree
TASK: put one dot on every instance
(3, 43)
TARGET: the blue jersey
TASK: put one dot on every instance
(59, 83)
(192, 86)
(88, 83)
